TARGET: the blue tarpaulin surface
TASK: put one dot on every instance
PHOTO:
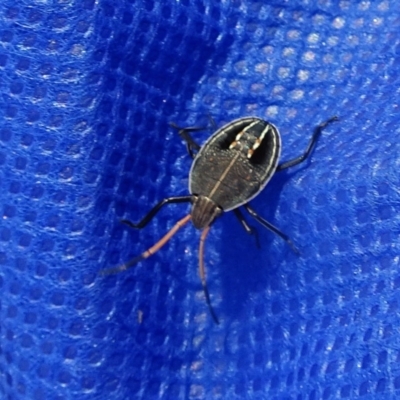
(87, 91)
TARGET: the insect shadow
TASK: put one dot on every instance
(250, 263)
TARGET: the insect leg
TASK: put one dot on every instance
(153, 249)
(249, 229)
(184, 133)
(310, 147)
(271, 227)
(150, 215)
(203, 274)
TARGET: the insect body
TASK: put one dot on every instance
(232, 167)
(229, 170)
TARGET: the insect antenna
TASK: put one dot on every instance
(203, 274)
(149, 252)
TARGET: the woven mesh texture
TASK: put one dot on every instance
(87, 91)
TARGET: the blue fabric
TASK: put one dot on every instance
(87, 91)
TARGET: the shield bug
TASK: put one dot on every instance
(230, 169)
